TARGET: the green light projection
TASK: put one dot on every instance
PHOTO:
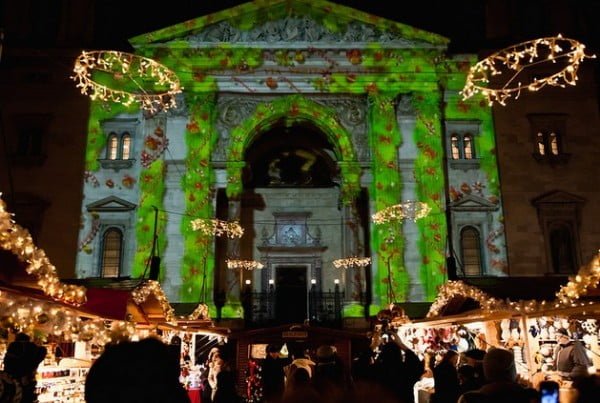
(429, 174)
(390, 282)
(197, 184)
(382, 75)
(293, 109)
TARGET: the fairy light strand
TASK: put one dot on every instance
(352, 261)
(243, 264)
(516, 59)
(568, 296)
(126, 66)
(152, 287)
(216, 227)
(17, 240)
(412, 210)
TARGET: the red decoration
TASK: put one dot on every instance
(271, 83)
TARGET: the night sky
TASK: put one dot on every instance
(468, 21)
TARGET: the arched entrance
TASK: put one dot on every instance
(291, 202)
(292, 156)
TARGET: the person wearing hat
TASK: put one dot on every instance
(570, 357)
(502, 386)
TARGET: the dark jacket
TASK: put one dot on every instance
(571, 360)
(446, 383)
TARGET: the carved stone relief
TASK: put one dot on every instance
(351, 113)
(298, 29)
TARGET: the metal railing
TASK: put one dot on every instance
(324, 308)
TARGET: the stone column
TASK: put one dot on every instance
(233, 276)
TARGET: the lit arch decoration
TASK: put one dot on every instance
(293, 109)
(452, 289)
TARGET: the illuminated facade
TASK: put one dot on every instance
(299, 119)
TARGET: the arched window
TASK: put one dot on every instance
(561, 245)
(470, 244)
(554, 144)
(112, 248)
(541, 147)
(113, 147)
(125, 146)
(454, 144)
(468, 147)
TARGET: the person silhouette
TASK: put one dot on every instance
(135, 372)
(21, 361)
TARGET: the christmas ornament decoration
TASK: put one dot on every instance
(216, 227)
(412, 210)
(243, 264)
(350, 262)
(511, 68)
(141, 79)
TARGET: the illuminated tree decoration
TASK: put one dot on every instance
(243, 264)
(350, 262)
(515, 63)
(408, 210)
(139, 79)
(218, 227)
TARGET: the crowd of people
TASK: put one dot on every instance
(148, 371)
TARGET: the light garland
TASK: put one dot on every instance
(353, 261)
(152, 287)
(412, 210)
(568, 296)
(137, 69)
(27, 315)
(17, 240)
(457, 288)
(201, 312)
(216, 227)
(243, 264)
(515, 59)
(587, 277)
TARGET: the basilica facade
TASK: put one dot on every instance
(298, 120)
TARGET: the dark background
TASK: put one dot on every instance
(472, 25)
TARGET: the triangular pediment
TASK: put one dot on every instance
(268, 23)
(473, 202)
(557, 197)
(110, 204)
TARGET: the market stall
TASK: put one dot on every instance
(74, 321)
(464, 317)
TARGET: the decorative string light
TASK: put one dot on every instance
(412, 210)
(452, 289)
(517, 58)
(216, 227)
(244, 264)
(29, 315)
(17, 240)
(350, 262)
(156, 84)
(152, 287)
(201, 312)
(587, 277)
(568, 296)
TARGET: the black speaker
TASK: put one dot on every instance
(154, 267)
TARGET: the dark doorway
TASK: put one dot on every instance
(291, 294)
